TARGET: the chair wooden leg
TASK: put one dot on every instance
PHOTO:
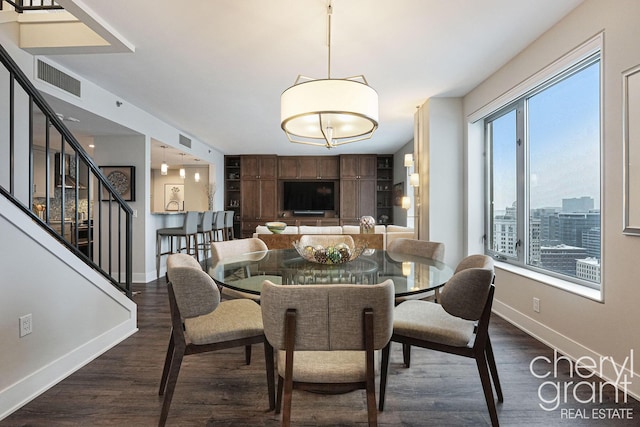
(158, 252)
(290, 333)
(279, 394)
(384, 369)
(167, 365)
(494, 370)
(485, 379)
(172, 379)
(406, 355)
(372, 411)
(247, 354)
(270, 365)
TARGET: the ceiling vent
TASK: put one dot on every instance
(59, 79)
(185, 141)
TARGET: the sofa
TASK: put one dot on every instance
(389, 232)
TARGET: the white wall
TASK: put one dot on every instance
(77, 314)
(439, 154)
(577, 325)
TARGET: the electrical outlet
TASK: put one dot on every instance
(135, 213)
(536, 304)
(26, 324)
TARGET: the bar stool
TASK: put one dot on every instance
(218, 226)
(188, 230)
(205, 228)
(228, 225)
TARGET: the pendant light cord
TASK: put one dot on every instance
(329, 12)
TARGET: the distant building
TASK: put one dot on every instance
(588, 269)
(561, 258)
(577, 204)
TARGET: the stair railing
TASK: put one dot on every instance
(22, 5)
(65, 192)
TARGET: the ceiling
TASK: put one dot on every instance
(215, 69)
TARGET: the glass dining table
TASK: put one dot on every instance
(410, 274)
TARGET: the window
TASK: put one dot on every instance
(543, 208)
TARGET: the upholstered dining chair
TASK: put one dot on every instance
(227, 249)
(188, 231)
(459, 324)
(325, 337)
(200, 323)
(415, 247)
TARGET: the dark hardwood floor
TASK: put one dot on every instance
(120, 388)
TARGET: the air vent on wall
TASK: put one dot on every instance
(185, 141)
(58, 78)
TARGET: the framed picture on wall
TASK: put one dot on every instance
(174, 197)
(398, 192)
(122, 179)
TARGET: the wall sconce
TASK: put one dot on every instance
(414, 180)
(405, 202)
(408, 160)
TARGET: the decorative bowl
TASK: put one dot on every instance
(276, 227)
(339, 253)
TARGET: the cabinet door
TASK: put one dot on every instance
(268, 199)
(249, 167)
(268, 166)
(250, 200)
(349, 166)
(329, 167)
(348, 198)
(287, 167)
(308, 167)
(367, 166)
(366, 197)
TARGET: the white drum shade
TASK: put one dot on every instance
(329, 112)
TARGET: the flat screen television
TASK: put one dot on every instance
(306, 196)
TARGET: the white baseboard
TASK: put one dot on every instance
(569, 347)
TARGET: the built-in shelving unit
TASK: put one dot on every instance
(232, 189)
(384, 190)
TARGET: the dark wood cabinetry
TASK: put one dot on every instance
(384, 190)
(253, 186)
(258, 187)
(353, 166)
(258, 167)
(357, 188)
(309, 167)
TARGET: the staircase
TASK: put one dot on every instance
(51, 178)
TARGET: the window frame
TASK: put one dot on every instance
(572, 63)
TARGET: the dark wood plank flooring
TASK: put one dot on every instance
(218, 389)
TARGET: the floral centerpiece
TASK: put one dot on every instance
(324, 251)
(367, 225)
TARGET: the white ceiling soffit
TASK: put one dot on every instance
(75, 30)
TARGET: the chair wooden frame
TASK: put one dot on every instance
(179, 347)
(481, 351)
(289, 385)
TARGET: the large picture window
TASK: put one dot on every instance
(543, 209)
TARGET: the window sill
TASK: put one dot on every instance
(583, 291)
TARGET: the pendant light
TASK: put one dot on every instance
(164, 167)
(183, 173)
(329, 112)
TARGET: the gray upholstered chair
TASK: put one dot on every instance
(221, 251)
(201, 323)
(218, 226)
(420, 248)
(229, 233)
(458, 325)
(188, 231)
(205, 228)
(325, 337)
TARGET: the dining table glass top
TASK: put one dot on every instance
(410, 274)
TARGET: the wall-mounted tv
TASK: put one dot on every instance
(310, 196)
